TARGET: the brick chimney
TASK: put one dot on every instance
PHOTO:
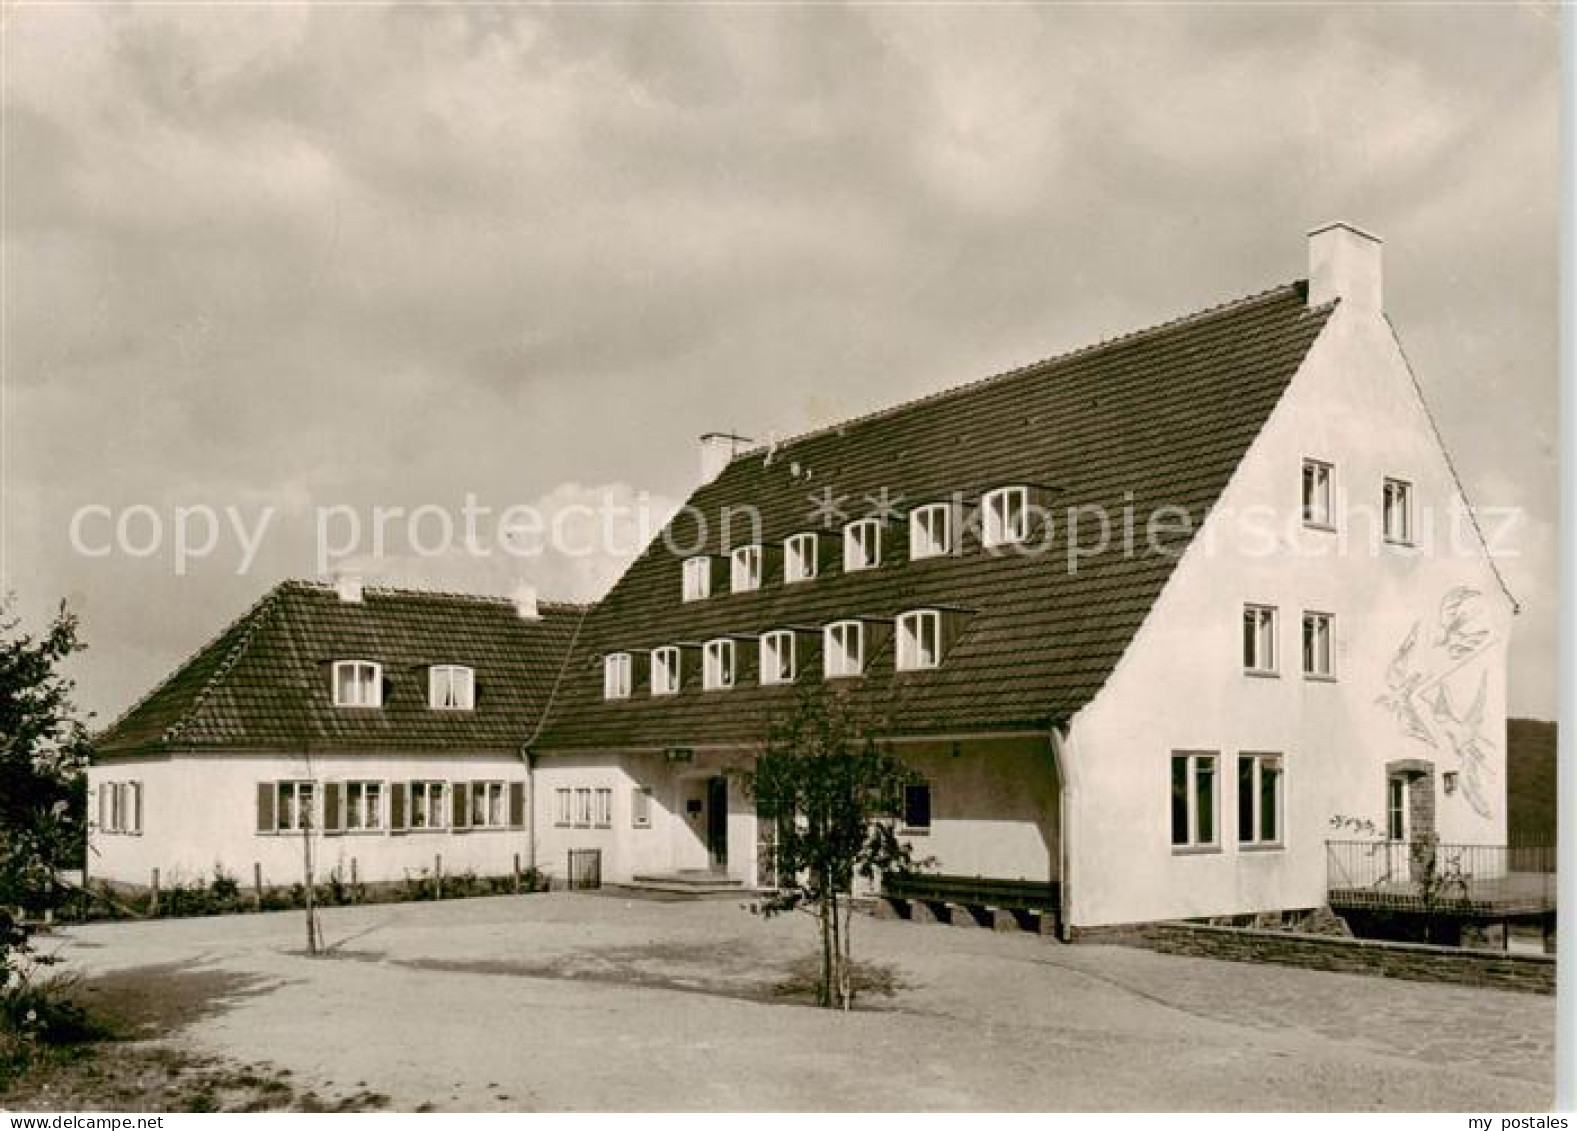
(717, 449)
(525, 599)
(1344, 263)
(347, 586)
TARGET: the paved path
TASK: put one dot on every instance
(589, 1002)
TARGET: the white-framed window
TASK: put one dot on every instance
(862, 545)
(1260, 803)
(616, 675)
(744, 570)
(1005, 516)
(563, 807)
(919, 640)
(931, 531)
(800, 558)
(1397, 501)
(363, 806)
(583, 808)
(295, 805)
(917, 807)
(777, 657)
(665, 671)
(489, 805)
(1317, 507)
(1318, 660)
(451, 687)
(358, 683)
(1259, 639)
(428, 809)
(717, 665)
(843, 649)
(120, 807)
(697, 578)
(602, 809)
(641, 807)
(1396, 807)
(1194, 800)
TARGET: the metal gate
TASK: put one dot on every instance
(585, 868)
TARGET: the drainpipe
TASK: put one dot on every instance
(1065, 811)
(531, 808)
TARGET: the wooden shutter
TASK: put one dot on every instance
(398, 792)
(104, 807)
(267, 818)
(460, 805)
(517, 804)
(332, 822)
(135, 823)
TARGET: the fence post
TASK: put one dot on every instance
(517, 873)
(257, 885)
(153, 898)
(438, 875)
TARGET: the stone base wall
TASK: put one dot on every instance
(1528, 973)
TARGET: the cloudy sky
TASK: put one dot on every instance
(291, 258)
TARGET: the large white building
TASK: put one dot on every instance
(1154, 620)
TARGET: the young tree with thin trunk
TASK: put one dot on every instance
(835, 796)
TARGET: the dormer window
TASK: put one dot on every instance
(697, 578)
(862, 545)
(930, 531)
(799, 558)
(717, 665)
(1005, 516)
(451, 687)
(843, 649)
(358, 683)
(1317, 509)
(919, 640)
(665, 671)
(745, 569)
(777, 657)
(616, 676)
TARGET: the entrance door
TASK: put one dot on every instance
(717, 821)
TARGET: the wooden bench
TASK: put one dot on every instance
(1003, 903)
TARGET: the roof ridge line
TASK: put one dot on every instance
(421, 591)
(261, 613)
(1034, 366)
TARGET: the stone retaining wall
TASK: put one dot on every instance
(1529, 973)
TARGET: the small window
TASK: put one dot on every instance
(583, 808)
(917, 808)
(602, 809)
(294, 805)
(1396, 808)
(427, 804)
(777, 657)
(1005, 516)
(1398, 503)
(862, 545)
(1259, 639)
(363, 806)
(358, 683)
(120, 807)
(641, 807)
(717, 667)
(1259, 799)
(697, 578)
(745, 569)
(1317, 663)
(489, 805)
(1317, 509)
(616, 676)
(665, 671)
(799, 558)
(930, 531)
(563, 807)
(451, 687)
(844, 649)
(1193, 800)
(919, 640)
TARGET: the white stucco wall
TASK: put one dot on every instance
(200, 810)
(1181, 687)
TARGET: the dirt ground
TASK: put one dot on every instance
(586, 1001)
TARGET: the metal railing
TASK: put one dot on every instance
(1426, 875)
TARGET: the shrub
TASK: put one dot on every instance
(224, 886)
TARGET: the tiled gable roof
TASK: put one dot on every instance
(1158, 418)
(264, 682)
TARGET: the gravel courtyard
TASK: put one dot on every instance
(590, 1001)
